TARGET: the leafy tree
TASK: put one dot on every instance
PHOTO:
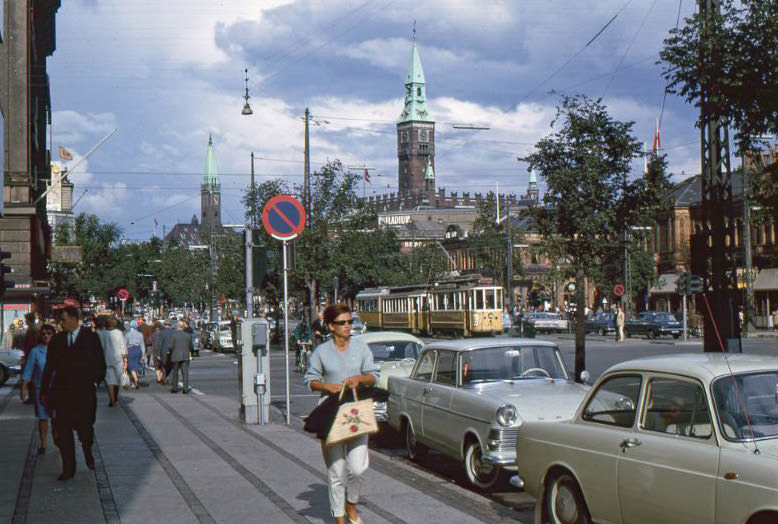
(724, 62)
(585, 162)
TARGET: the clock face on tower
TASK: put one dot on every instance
(404, 137)
(424, 135)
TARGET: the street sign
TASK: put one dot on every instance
(618, 290)
(123, 294)
(283, 217)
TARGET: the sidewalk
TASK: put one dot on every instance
(186, 459)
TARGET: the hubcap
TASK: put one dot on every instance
(481, 470)
(564, 507)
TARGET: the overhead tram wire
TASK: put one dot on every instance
(561, 67)
(667, 84)
(629, 48)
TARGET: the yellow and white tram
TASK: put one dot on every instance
(465, 306)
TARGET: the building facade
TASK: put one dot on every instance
(25, 102)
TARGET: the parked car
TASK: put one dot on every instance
(358, 327)
(10, 363)
(539, 322)
(468, 398)
(653, 324)
(670, 440)
(221, 336)
(601, 323)
(396, 353)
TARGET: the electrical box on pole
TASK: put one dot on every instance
(254, 370)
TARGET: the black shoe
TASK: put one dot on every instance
(89, 459)
(185, 392)
(65, 476)
(174, 390)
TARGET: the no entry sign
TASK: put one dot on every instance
(618, 290)
(283, 217)
(123, 294)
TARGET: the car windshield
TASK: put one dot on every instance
(511, 362)
(747, 405)
(394, 350)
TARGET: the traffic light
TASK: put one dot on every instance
(682, 284)
(695, 284)
(5, 272)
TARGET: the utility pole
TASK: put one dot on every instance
(307, 168)
(748, 313)
(509, 261)
(711, 257)
(249, 236)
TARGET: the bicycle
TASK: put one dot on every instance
(304, 356)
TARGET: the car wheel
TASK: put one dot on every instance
(603, 332)
(676, 335)
(4, 374)
(479, 473)
(564, 502)
(651, 334)
(415, 450)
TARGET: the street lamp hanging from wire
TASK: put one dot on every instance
(246, 107)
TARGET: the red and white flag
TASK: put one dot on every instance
(367, 176)
(64, 154)
(657, 140)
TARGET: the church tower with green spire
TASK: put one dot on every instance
(415, 134)
(210, 192)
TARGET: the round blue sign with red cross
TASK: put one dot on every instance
(283, 217)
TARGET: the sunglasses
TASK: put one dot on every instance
(343, 322)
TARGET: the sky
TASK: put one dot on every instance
(166, 74)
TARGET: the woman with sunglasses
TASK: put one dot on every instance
(33, 372)
(337, 363)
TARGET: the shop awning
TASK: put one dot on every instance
(665, 284)
(767, 280)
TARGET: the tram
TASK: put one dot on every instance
(463, 306)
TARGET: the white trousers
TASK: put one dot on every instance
(346, 463)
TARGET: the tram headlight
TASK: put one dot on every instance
(507, 414)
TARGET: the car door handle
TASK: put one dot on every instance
(427, 390)
(629, 443)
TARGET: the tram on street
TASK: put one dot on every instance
(463, 306)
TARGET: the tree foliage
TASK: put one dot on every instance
(586, 163)
(724, 62)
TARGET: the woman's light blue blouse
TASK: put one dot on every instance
(330, 366)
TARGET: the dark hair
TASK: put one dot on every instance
(111, 323)
(72, 311)
(46, 327)
(334, 311)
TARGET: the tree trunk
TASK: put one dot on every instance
(580, 324)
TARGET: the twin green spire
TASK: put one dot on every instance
(211, 176)
(415, 91)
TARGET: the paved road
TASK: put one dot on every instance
(216, 374)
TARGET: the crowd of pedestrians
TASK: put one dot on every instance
(68, 359)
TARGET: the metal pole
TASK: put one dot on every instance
(509, 254)
(286, 335)
(307, 172)
(749, 298)
(683, 306)
(249, 274)
(624, 300)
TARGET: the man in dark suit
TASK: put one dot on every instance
(75, 364)
(179, 351)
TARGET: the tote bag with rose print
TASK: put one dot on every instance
(352, 420)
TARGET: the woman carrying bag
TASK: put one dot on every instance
(335, 364)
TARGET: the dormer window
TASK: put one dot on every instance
(418, 91)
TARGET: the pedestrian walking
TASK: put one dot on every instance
(136, 347)
(179, 352)
(115, 352)
(336, 364)
(618, 320)
(32, 374)
(75, 364)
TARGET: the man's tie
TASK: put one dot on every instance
(70, 339)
